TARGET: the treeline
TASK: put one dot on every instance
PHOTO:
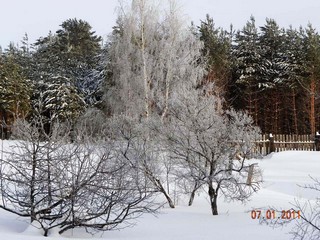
(271, 72)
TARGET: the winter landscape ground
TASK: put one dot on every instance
(282, 173)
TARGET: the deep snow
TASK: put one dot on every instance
(282, 173)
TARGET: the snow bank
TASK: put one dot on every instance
(282, 173)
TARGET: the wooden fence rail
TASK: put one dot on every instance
(280, 142)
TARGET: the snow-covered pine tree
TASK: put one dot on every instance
(217, 50)
(73, 54)
(294, 93)
(272, 74)
(247, 56)
(55, 94)
(79, 48)
(61, 100)
(273, 64)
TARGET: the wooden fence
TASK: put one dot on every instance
(279, 142)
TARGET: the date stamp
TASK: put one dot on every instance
(273, 214)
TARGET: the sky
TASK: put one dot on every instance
(38, 17)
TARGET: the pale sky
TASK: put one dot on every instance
(38, 17)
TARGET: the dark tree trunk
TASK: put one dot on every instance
(193, 193)
(213, 195)
(170, 202)
(162, 190)
(312, 107)
(33, 188)
(157, 183)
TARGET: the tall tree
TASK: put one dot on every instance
(65, 70)
(312, 64)
(15, 90)
(72, 53)
(295, 73)
(272, 73)
(151, 57)
(217, 46)
(247, 56)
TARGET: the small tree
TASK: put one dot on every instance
(138, 144)
(61, 185)
(204, 143)
(306, 216)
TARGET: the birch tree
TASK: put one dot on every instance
(152, 55)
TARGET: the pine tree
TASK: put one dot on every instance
(61, 100)
(247, 54)
(272, 74)
(65, 71)
(312, 66)
(15, 90)
(293, 94)
(217, 45)
(73, 53)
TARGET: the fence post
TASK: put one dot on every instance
(317, 141)
(271, 144)
(250, 174)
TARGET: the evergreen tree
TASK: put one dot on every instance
(312, 66)
(217, 45)
(73, 53)
(273, 66)
(272, 75)
(294, 93)
(15, 91)
(247, 55)
(65, 70)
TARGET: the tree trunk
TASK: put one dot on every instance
(146, 79)
(295, 119)
(312, 107)
(4, 126)
(162, 190)
(169, 200)
(33, 216)
(159, 186)
(213, 195)
(193, 193)
(166, 100)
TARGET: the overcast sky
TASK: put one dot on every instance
(38, 17)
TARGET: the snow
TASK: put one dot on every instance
(282, 173)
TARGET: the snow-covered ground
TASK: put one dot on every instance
(282, 172)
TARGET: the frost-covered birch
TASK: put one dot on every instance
(152, 55)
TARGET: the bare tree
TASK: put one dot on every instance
(305, 215)
(204, 144)
(138, 145)
(58, 184)
(27, 175)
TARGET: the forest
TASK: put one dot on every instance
(268, 71)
